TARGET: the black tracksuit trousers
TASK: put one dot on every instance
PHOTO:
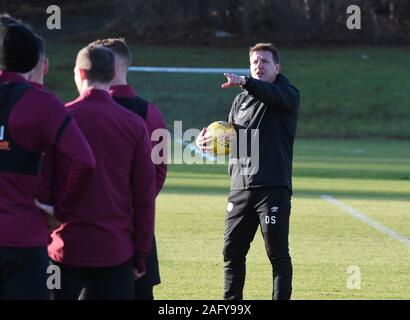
(268, 207)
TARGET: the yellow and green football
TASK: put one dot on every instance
(222, 136)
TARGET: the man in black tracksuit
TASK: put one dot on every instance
(265, 116)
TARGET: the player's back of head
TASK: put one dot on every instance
(7, 19)
(118, 46)
(97, 62)
(19, 50)
(41, 46)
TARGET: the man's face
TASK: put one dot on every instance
(263, 67)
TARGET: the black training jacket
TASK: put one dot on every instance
(272, 109)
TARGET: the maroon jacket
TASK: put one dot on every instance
(36, 85)
(153, 120)
(115, 219)
(36, 120)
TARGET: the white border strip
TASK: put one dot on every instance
(190, 70)
(374, 224)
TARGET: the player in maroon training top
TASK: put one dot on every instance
(30, 121)
(104, 244)
(125, 95)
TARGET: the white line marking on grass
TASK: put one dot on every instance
(374, 224)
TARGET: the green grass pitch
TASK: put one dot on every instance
(353, 92)
(369, 176)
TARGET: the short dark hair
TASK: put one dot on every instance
(41, 46)
(6, 19)
(98, 62)
(18, 48)
(118, 46)
(266, 46)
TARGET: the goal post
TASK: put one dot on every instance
(191, 95)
